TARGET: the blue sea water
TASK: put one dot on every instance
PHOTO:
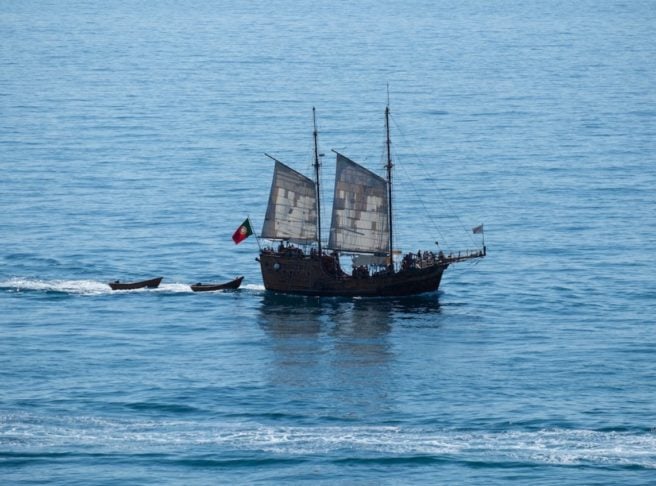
(131, 145)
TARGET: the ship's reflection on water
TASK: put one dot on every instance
(336, 355)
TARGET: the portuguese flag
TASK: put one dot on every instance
(243, 232)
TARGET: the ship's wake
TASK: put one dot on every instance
(94, 287)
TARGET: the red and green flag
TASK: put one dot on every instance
(243, 232)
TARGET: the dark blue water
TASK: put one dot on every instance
(131, 145)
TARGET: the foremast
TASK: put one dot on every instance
(317, 164)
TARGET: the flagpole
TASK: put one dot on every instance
(257, 237)
(481, 229)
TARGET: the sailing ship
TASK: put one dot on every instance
(361, 227)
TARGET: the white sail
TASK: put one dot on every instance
(360, 210)
(292, 210)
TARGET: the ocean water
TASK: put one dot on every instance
(132, 140)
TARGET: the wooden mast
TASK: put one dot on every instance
(389, 183)
(316, 178)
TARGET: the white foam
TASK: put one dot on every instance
(254, 287)
(87, 287)
(172, 287)
(546, 446)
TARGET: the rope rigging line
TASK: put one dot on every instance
(444, 201)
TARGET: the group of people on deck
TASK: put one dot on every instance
(288, 249)
(421, 260)
(410, 260)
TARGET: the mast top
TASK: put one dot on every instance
(315, 134)
(389, 182)
(388, 141)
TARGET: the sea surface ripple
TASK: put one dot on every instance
(132, 137)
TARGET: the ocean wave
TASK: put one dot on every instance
(557, 446)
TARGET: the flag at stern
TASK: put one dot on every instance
(243, 232)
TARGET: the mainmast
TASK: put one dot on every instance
(316, 177)
(389, 183)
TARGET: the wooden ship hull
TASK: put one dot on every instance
(361, 227)
(151, 284)
(309, 275)
(232, 285)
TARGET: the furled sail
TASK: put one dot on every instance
(292, 210)
(360, 210)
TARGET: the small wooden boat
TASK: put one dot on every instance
(232, 285)
(153, 283)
